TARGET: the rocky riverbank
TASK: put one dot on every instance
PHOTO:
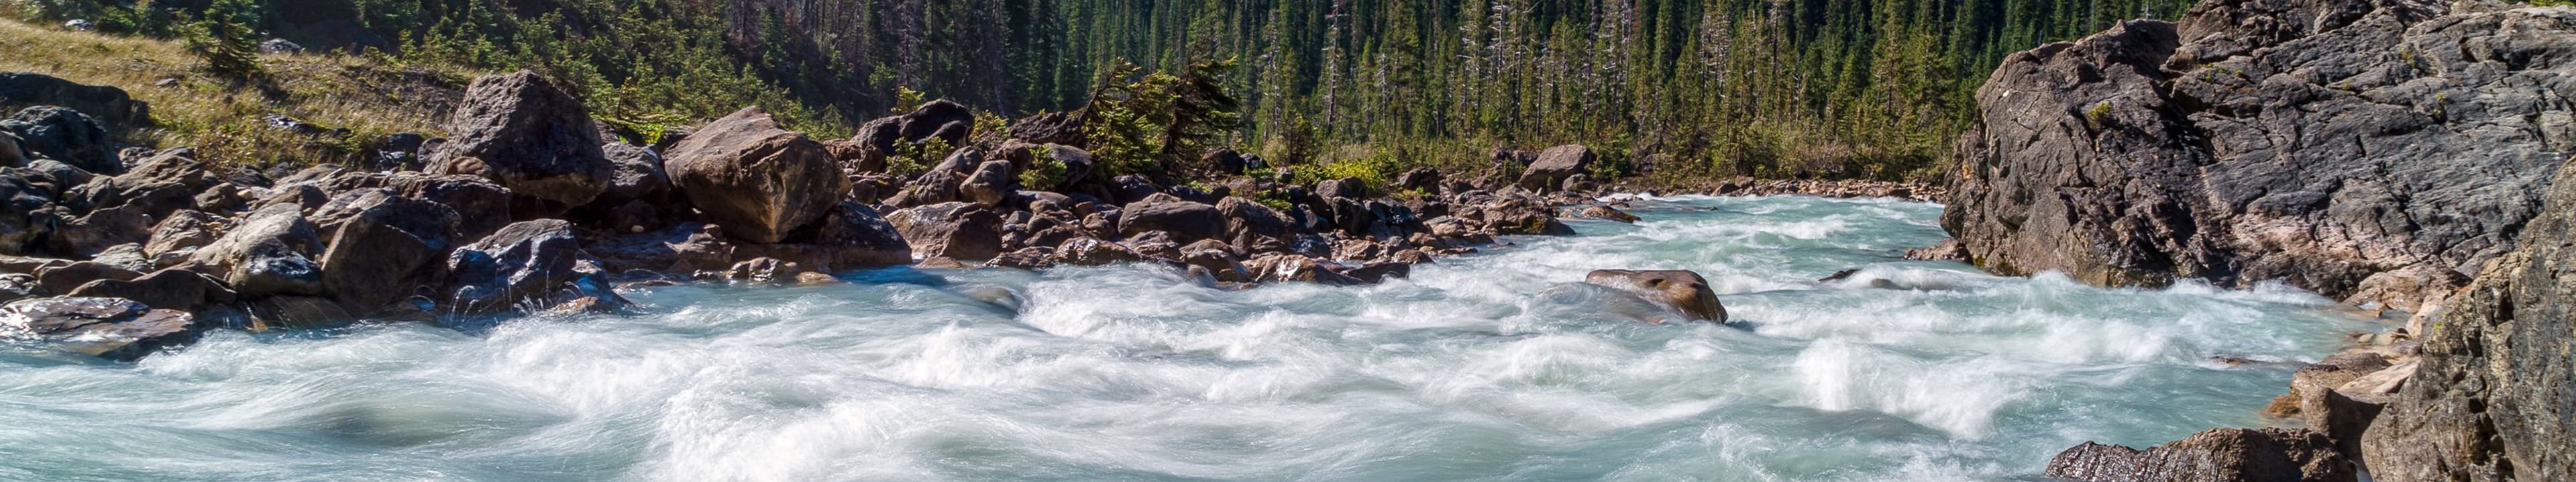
(2376, 152)
(531, 206)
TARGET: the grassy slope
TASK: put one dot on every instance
(225, 120)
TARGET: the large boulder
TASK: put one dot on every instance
(1683, 291)
(385, 249)
(1554, 165)
(65, 135)
(753, 178)
(2489, 401)
(106, 327)
(951, 230)
(1185, 220)
(2220, 455)
(2322, 144)
(1250, 226)
(520, 131)
(269, 253)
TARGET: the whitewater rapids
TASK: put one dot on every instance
(1476, 368)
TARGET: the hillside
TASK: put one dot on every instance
(230, 121)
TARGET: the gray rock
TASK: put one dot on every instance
(520, 131)
(1554, 165)
(2220, 455)
(523, 265)
(268, 253)
(105, 327)
(2489, 400)
(2315, 143)
(385, 249)
(751, 177)
(952, 230)
(19, 90)
(65, 135)
(1185, 220)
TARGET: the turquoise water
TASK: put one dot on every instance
(1489, 367)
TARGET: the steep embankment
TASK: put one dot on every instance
(2374, 151)
(2495, 398)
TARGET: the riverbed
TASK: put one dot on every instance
(1491, 366)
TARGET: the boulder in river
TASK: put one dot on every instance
(1554, 165)
(107, 327)
(753, 178)
(269, 253)
(1185, 220)
(1683, 291)
(952, 230)
(525, 264)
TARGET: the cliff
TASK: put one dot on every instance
(2373, 151)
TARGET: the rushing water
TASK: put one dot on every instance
(1489, 367)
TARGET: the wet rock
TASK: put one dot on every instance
(297, 312)
(15, 286)
(757, 180)
(1554, 165)
(1185, 220)
(1285, 267)
(521, 265)
(683, 249)
(1608, 213)
(1947, 250)
(1683, 291)
(106, 327)
(269, 253)
(87, 235)
(850, 236)
(65, 135)
(1251, 226)
(2221, 455)
(953, 230)
(521, 132)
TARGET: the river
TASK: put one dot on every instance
(1485, 367)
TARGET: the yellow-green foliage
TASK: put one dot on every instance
(1044, 171)
(223, 118)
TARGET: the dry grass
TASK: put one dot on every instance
(225, 119)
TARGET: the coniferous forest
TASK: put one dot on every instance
(1831, 88)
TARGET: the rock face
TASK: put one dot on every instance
(2222, 455)
(751, 177)
(2492, 397)
(522, 132)
(1683, 291)
(2343, 146)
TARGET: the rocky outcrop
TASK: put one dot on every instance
(753, 178)
(2350, 147)
(2491, 399)
(521, 132)
(1682, 291)
(2222, 455)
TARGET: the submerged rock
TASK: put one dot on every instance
(1683, 291)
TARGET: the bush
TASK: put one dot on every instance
(224, 41)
